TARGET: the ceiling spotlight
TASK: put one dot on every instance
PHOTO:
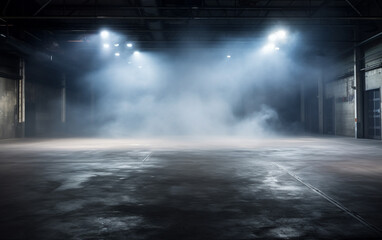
(104, 34)
(117, 54)
(136, 53)
(129, 45)
(106, 45)
(228, 56)
(116, 44)
(279, 35)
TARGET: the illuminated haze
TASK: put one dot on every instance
(197, 91)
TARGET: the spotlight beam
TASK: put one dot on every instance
(104, 34)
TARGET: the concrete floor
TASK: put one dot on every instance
(284, 188)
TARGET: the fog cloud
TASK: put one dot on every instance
(197, 91)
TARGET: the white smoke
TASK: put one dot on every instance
(199, 92)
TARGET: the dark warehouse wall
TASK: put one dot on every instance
(31, 97)
(44, 99)
(339, 100)
(340, 90)
(9, 80)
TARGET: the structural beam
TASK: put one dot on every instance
(20, 131)
(320, 91)
(354, 8)
(42, 7)
(337, 18)
(359, 91)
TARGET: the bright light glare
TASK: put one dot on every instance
(129, 45)
(104, 34)
(116, 44)
(136, 53)
(270, 47)
(272, 37)
(279, 35)
(228, 56)
(106, 45)
(117, 54)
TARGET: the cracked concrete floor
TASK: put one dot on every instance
(190, 188)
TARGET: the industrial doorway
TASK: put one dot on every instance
(373, 114)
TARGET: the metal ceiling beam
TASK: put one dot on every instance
(368, 18)
(253, 41)
(91, 30)
(354, 8)
(123, 7)
(6, 6)
(42, 7)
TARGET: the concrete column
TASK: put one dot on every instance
(20, 132)
(63, 98)
(92, 103)
(320, 96)
(302, 103)
(358, 93)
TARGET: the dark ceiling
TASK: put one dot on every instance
(335, 24)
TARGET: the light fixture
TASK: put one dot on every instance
(117, 54)
(104, 34)
(228, 56)
(136, 53)
(277, 36)
(116, 44)
(129, 45)
(106, 45)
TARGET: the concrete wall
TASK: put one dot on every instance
(9, 66)
(8, 108)
(339, 107)
(339, 98)
(373, 68)
(43, 100)
(310, 108)
(37, 107)
(373, 79)
(342, 94)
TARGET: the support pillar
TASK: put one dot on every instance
(302, 104)
(63, 99)
(20, 132)
(358, 94)
(320, 99)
